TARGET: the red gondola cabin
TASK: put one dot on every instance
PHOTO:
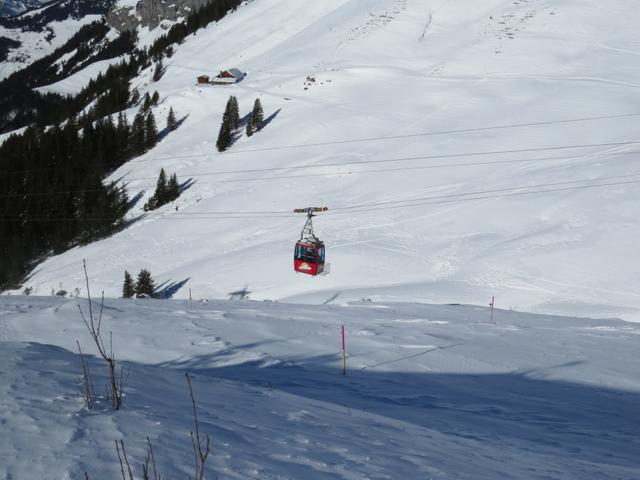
(308, 257)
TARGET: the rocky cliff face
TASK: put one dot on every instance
(149, 13)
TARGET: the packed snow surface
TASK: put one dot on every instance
(431, 392)
(464, 149)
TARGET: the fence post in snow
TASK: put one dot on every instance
(344, 353)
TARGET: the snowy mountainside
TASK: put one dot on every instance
(464, 151)
(427, 389)
(38, 32)
(15, 7)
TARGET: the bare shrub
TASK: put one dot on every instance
(149, 465)
(86, 382)
(115, 387)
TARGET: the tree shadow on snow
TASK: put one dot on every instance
(168, 289)
(133, 201)
(166, 131)
(270, 118)
(186, 185)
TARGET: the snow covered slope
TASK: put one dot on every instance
(464, 149)
(431, 392)
(74, 83)
(40, 31)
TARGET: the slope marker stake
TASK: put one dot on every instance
(492, 305)
(344, 353)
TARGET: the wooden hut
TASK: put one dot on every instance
(227, 77)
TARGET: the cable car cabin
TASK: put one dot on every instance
(309, 257)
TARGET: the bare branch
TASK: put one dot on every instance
(87, 389)
(153, 460)
(86, 277)
(200, 454)
(126, 460)
(120, 460)
(101, 310)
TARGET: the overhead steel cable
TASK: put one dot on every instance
(483, 192)
(433, 133)
(417, 157)
(348, 210)
(356, 172)
(490, 197)
(358, 140)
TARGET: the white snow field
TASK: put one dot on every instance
(464, 149)
(431, 392)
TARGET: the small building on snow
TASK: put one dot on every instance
(227, 77)
(203, 79)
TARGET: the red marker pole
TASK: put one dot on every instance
(190, 300)
(344, 353)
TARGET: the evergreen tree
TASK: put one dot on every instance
(146, 103)
(172, 123)
(128, 289)
(155, 98)
(159, 197)
(257, 115)
(135, 96)
(230, 121)
(224, 136)
(161, 187)
(232, 113)
(250, 128)
(123, 132)
(157, 73)
(173, 188)
(145, 284)
(150, 131)
(138, 134)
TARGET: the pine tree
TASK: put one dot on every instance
(155, 98)
(172, 123)
(146, 103)
(257, 115)
(138, 134)
(232, 112)
(224, 136)
(150, 131)
(173, 188)
(128, 289)
(123, 132)
(160, 196)
(135, 97)
(157, 73)
(230, 121)
(250, 128)
(145, 284)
